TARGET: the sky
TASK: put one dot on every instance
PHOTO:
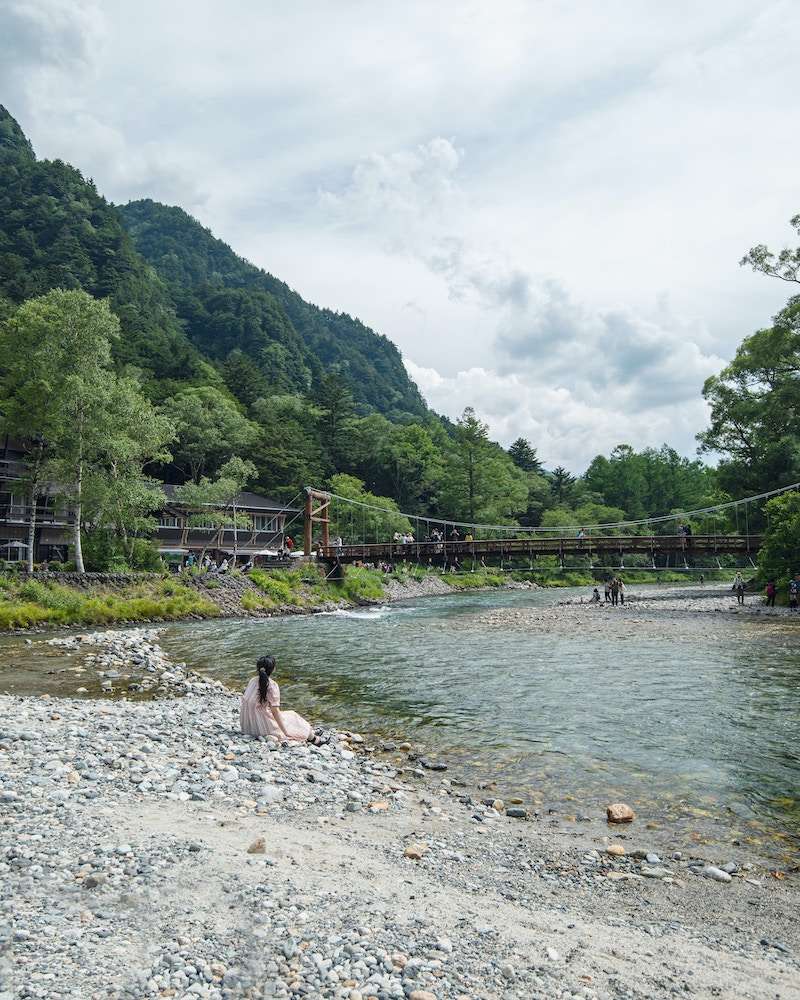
(543, 204)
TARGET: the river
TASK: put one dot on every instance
(694, 720)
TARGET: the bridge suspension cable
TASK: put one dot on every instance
(517, 528)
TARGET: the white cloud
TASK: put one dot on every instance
(566, 429)
(553, 366)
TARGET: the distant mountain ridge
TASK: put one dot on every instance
(191, 310)
(203, 273)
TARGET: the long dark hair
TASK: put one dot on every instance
(265, 664)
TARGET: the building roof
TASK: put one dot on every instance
(247, 501)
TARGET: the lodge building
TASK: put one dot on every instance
(54, 520)
(263, 538)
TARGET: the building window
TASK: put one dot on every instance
(12, 550)
(265, 522)
(168, 521)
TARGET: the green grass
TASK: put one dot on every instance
(24, 604)
(307, 587)
(279, 587)
(360, 584)
(474, 581)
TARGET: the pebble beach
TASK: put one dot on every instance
(150, 850)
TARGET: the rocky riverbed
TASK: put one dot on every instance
(150, 850)
(646, 614)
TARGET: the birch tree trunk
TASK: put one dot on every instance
(33, 492)
(76, 528)
(31, 527)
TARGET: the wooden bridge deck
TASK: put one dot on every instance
(530, 547)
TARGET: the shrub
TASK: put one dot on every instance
(361, 584)
(276, 586)
(254, 602)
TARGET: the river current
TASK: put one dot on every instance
(694, 720)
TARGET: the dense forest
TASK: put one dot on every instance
(239, 381)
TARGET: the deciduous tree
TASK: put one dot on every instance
(209, 428)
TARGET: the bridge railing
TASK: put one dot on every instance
(542, 545)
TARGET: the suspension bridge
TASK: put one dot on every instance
(450, 543)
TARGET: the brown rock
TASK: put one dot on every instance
(422, 995)
(619, 812)
(258, 846)
(616, 850)
(416, 850)
(378, 807)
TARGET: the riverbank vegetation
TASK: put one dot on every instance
(137, 348)
(26, 603)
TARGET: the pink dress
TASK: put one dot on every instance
(257, 719)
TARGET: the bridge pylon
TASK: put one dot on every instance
(316, 515)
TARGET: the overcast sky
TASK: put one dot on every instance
(543, 204)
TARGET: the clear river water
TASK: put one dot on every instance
(693, 720)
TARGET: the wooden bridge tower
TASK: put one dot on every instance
(316, 515)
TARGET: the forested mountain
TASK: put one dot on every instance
(230, 305)
(183, 297)
(56, 231)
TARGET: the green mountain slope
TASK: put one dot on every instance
(229, 305)
(56, 231)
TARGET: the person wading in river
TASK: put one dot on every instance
(260, 713)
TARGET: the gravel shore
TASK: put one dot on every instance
(150, 850)
(661, 611)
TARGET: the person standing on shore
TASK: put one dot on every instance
(614, 591)
(794, 590)
(260, 713)
(771, 591)
(738, 588)
(607, 591)
(621, 590)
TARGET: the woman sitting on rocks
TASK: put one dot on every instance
(260, 713)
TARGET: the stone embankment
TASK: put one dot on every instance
(150, 850)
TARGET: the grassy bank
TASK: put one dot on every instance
(27, 603)
(307, 588)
